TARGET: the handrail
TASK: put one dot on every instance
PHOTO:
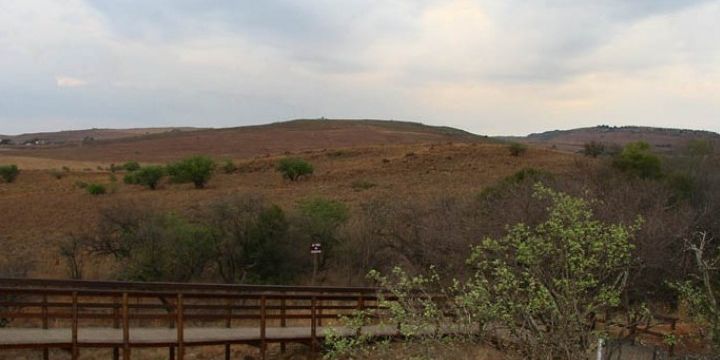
(127, 285)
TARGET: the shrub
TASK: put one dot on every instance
(9, 172)
(294, 168)
(320, 219)
(700, 292)
(96, 189)
(229, 167)
(700, 147)
(548, 308)
(148, 176)
(131, 166)
(637, 159)
(360, 185)
(197, 170)
(593, 149)
(517, 149)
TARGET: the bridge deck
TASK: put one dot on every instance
(89, 337)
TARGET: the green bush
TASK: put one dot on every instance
(229, 167)
(294, 168)
(197, 170)
(637, 159)
(9, 172)
(148, 176)
(517, 149)
(320, 219)
(96, 189)
(131, 166)
(593, 149)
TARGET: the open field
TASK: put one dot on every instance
(40, 209)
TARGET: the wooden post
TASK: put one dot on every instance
(74, 325)
(360, 307)
(263, 344)
(313, 324)
(283, 322)
(116, 325)
(126, 327)
(46, 351)
(180, 327)
(672, 345)
(228, 324)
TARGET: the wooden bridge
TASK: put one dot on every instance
(75, 314)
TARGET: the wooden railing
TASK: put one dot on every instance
(130, 307)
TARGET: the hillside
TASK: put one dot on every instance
(662, 139)
(248, 141)
(78, 136)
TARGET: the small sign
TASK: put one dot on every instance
(315, 248)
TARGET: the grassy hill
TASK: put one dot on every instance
(662, 139)
(248, 141)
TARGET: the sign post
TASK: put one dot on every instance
(315, 250)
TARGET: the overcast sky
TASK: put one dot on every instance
(487, 66)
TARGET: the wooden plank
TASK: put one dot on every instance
(180, 327)
(74, 350)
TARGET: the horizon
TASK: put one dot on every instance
(351, 119)
(486, 67)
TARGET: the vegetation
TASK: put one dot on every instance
(702, 290)
(229, 167)
(96, 189)
(637, 159)
(197, 170)
(9, 173)
(517, 149)
(359, 185)
(294, 168)
(593, 149)
(148, 176)
(546, 309)
(319, 220)
(131, 166)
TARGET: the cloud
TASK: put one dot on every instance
(67, 81)
(493, 67)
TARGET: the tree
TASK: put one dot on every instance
(593, 149)
(131, 166)
(702, 291)
(517, 149)
(549, 309)
(148, 176)
(637, 159)
(9, 172)
(320, 220)
(294, 168)
(250, 240)
(197, 170)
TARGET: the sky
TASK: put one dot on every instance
(495, 67)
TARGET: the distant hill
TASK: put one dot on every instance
(78, 136)
(662, 139)
(246, 141)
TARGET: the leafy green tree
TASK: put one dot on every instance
(250, 241)
(638, 160)
(197, 170)
(131, 166)
(549, 308)
(701, 292)
(517, 149)
(294, 168)
(148, 176)
(320, 219)
(9, 172)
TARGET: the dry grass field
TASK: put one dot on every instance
(39, 209)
